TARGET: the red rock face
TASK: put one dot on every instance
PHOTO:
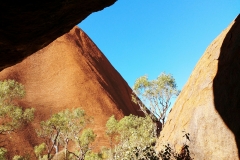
(209, 105)
(70, 72)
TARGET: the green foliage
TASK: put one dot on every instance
(136, 139)
(111, 126)
(86, 138)
(38, 150)
(10, 90)
(112, 129)
(64, 127)
(11, 115)
(17, 157)
(133, 134)
(105, 152)
(83, 142)
(93, 156)
(3, 152)
(156, 94)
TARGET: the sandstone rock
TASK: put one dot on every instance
(27, 26)
(70, 72)
(209, 105)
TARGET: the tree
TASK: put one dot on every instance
(64, 127)
(156, 94)
(12, 116)
(134, 137)
(3, 152)
(84, 140)
(38, 150)
(93, 156)
(111, 129)
(17, 157)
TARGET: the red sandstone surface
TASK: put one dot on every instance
(70, 72)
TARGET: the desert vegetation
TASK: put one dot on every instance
(155, 95)
(12, 116)
(131, 137)
(61, 129)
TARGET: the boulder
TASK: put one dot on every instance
(70, 72)
(27, 26)
(208, 107)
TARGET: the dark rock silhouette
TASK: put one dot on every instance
(226, 83)
(27, 26)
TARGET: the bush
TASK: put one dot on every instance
(134, 136)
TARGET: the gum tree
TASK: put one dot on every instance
(12, 116)
(133, 137)
(63, 127)
(155, 94)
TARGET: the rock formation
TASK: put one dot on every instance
(27, 26)
(70, 72)
(209, 105)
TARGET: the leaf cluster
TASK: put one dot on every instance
(3, 153)
(133, 135)
(12, 116)
(155, 94)
(63, 127)
(64, 124)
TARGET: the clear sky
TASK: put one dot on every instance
(147, 37)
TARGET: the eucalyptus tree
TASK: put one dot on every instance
(155, 95)
(133, 137)
(83, 141)
(63, 127)
(12, 116)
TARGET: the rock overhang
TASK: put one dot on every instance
(28, 26)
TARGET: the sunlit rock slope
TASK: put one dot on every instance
(209, 105)
(70, 72)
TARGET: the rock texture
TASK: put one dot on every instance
(70, 72)
(27, 26)
(209, 105)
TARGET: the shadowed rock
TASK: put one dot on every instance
(27, 26)
(226, 84)
(209, 105)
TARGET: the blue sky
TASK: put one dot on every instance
(141, 37)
